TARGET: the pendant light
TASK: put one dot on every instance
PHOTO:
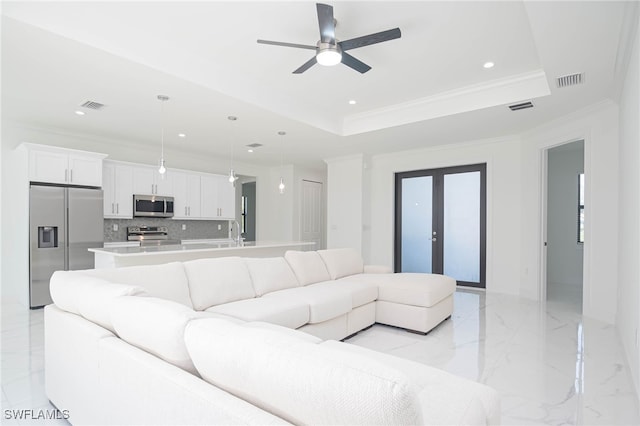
(281, 186)
(232, 173)
(162, 169)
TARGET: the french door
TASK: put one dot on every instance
(440, 223)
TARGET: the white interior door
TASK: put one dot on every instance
(311, 213)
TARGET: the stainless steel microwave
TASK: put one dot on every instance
(152, 206)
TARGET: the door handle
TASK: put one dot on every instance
(117, 207)
(112, 208)
(71, 175)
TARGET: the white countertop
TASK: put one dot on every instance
(199, 247)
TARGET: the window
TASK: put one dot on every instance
(581, 208)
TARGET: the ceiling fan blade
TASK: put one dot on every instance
(280, 43)
(354, 43)
(354, 63)
(311, 62)
(326, 23)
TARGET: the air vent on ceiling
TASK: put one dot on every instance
(92, 105)
(523, 105)
(254, 145)
(570, 80)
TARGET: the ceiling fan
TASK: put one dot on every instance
(330, 51)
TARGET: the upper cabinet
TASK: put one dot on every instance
(226, 198)
(148, 181)
(118, 190)
(203, 196)
(187, 200)
(64, 166)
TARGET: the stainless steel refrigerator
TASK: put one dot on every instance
(63, 223)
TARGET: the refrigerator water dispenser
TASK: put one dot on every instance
(47, 236)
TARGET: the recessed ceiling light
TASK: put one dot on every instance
(352, 102)
(488, 65)
(182, 135)
(249, 150)
(78, 112)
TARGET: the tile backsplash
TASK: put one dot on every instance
(195, 228)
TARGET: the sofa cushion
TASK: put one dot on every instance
(435, 388)
(324, 303)
(302, 382)
(156, 326)
(217, 281)
(166, 281)
(362, 292)
(308, 266)
(287, 313)
(342, 262)
(270, 274)
(88, 296)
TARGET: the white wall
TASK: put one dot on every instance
(564, 253)
(503, 207)
(628, 319)
(597, 125)
(273, 211)
(344, 202)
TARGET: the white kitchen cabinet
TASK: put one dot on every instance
(64, 166)
(186, 194)
(118, 190)
(226, 199)
(218, 197)
(209, 196)
(147, 181)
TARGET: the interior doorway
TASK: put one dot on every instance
(246, 204)
(565, 207)
(440, 223)
(311, 217)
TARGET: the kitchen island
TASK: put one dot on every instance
(150, 255)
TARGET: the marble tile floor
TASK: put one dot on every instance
(550, 365)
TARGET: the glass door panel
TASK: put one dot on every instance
(417, 224)
(440, 223)
(461, 231)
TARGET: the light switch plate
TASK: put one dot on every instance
(184, 226)
(219, 227)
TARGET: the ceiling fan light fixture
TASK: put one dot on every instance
(328, 54)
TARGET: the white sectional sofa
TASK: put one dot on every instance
(249, 341)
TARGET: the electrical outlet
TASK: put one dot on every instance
(184, 226)
(115, 226)
(219, 227)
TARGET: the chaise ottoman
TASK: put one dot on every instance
(416, 302)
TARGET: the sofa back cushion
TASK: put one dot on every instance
(308, 266)
(342, 262)
(270, 274)
(216, 281)
(166, 281)
(298, 380)
(155, 326)
(87, 296)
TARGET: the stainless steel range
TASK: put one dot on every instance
(150, 235)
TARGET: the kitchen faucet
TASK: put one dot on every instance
(238, 238)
